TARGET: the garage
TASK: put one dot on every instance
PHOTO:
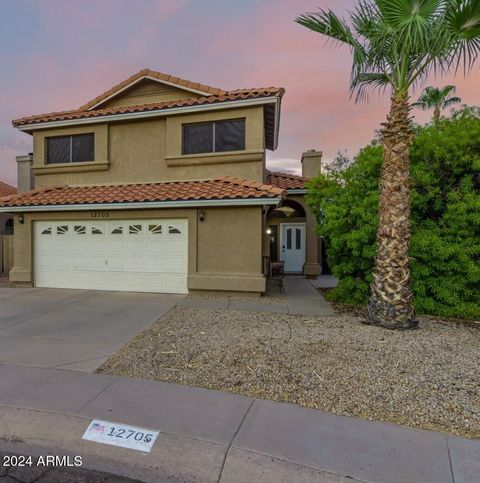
(124, 255)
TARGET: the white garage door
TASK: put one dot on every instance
(127, 255)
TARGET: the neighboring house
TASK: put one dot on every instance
(159, 185)
(6, 220)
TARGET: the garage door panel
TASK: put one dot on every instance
(135, 245)
(175, 264)
(78, 262)
(134, 264)
(132, 255)
(115, 263)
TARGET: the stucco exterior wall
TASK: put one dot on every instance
(151, 151)
(224, 251)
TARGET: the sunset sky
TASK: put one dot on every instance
(58, 54)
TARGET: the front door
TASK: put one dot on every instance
(292, 246)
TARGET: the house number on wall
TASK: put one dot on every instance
(99, 214)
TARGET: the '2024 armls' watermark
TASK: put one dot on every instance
(47, 461)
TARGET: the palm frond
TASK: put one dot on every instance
(451, 101)
(463, 26)
(402, 42)
(364, 81)
(421, 105)
(327, 23)
(446, 90)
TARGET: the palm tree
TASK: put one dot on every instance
(436, 99)
(396, 44)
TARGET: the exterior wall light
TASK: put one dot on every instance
(201, 215)
(269, 231)
(21, 219)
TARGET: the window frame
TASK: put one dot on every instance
(70, 137)
(217, 121)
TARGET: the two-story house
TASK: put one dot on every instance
(160, 185)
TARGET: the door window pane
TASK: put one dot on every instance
(198, 138)
(289, 238)
(230, 135)
(298, 238)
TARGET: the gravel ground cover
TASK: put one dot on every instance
(428, 378)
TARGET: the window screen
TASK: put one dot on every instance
(82, 148)
(58, 150)
(230, 135)
(211, 137)
(198, 138)
(70, 149)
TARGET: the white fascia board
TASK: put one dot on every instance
(142, 205)
(148, 114)
(297, 192)
(277, 123)
(116, 93)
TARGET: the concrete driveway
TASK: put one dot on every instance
(73, 329)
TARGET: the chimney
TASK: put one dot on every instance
(311, 163)
(25, 177)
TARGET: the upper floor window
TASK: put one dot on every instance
(70, 149)
(213, 137)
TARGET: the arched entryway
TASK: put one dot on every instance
(286, 226)
(9, 227)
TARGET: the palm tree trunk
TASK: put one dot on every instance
(436, 113)
(391, 300)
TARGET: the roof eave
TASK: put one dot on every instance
(29, 128)
(144, 205)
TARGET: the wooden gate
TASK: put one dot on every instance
(6, 253)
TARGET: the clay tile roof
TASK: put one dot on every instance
(286, 181)
(212, 95)
(6, 189)
(214, 189)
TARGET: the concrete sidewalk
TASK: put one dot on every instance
(304, 299)
(301, 299)
(212, 436)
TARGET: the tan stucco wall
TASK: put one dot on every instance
(150, 151)
(224, 251)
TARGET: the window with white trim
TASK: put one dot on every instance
(214, 137)
(70, 149)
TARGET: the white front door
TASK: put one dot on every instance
(126, 255)
(292, 246)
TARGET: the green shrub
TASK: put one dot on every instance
(445, 218)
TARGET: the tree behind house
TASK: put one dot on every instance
(437, 99)
(445, 219)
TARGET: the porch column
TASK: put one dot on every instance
(312, 266)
